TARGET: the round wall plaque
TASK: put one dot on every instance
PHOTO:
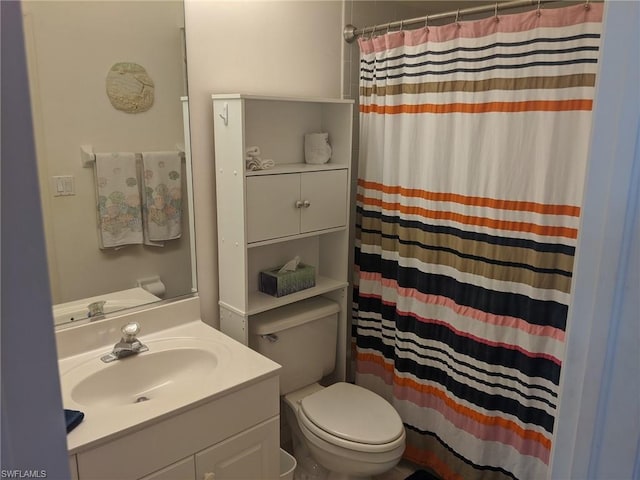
(130, 88)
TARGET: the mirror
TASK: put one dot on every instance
(84, 56)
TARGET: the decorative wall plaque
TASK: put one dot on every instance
(130, 88)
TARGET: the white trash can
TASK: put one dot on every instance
(287, 465)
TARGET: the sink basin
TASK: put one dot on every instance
(188, 365)
(168, 369)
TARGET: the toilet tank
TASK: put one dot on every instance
(301, 337)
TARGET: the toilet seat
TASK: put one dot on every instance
(352, 417)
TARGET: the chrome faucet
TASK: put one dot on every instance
(96, 308)
(128, 344)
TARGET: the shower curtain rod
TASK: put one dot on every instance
(350, 32)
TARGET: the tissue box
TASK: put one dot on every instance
(280, 284)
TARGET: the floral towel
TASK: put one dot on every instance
(162, 196)
(118, 200)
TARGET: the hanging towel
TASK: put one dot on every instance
(162, 197)
(118, 200)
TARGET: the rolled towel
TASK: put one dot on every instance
(253, 151)
(267, 163)
(253, 163)
(257, 163)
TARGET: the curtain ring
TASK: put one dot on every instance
(538, 12)
(496, 14)
(587, 6)
(457, 17)
(401, 24)
(426, 23)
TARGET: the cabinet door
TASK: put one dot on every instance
(73, 467)
(182, 470)
(325, 197)
(271, 206)
(254, 454)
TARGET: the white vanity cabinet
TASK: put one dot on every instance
(267, 217)
(234, 436)
(244, 456)
(213, 413)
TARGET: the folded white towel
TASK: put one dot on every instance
(162, 196)
(118, 200)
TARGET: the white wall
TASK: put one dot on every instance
(261, 47)
(71, 47)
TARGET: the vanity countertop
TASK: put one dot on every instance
(235, 366)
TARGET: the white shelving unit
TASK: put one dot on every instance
(267, 217)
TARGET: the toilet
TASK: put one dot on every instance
(341, 431)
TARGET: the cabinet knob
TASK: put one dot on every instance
(299, 204)
(209, 476)
(306, 204)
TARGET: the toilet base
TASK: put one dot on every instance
(307, 468)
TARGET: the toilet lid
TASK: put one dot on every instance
(353, 413)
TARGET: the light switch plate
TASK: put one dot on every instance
(63, 185)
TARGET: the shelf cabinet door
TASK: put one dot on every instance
(326, 194)
(271, 206)
(289, 204)
(253, 454)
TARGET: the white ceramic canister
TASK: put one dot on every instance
(317, 149)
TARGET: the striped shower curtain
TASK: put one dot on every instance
(473, 149)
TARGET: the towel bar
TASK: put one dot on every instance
(88, 157)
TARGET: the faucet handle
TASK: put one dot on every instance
(130, 331)
(96, 308)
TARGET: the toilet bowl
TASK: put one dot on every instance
(350, 431)
(341, 431)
